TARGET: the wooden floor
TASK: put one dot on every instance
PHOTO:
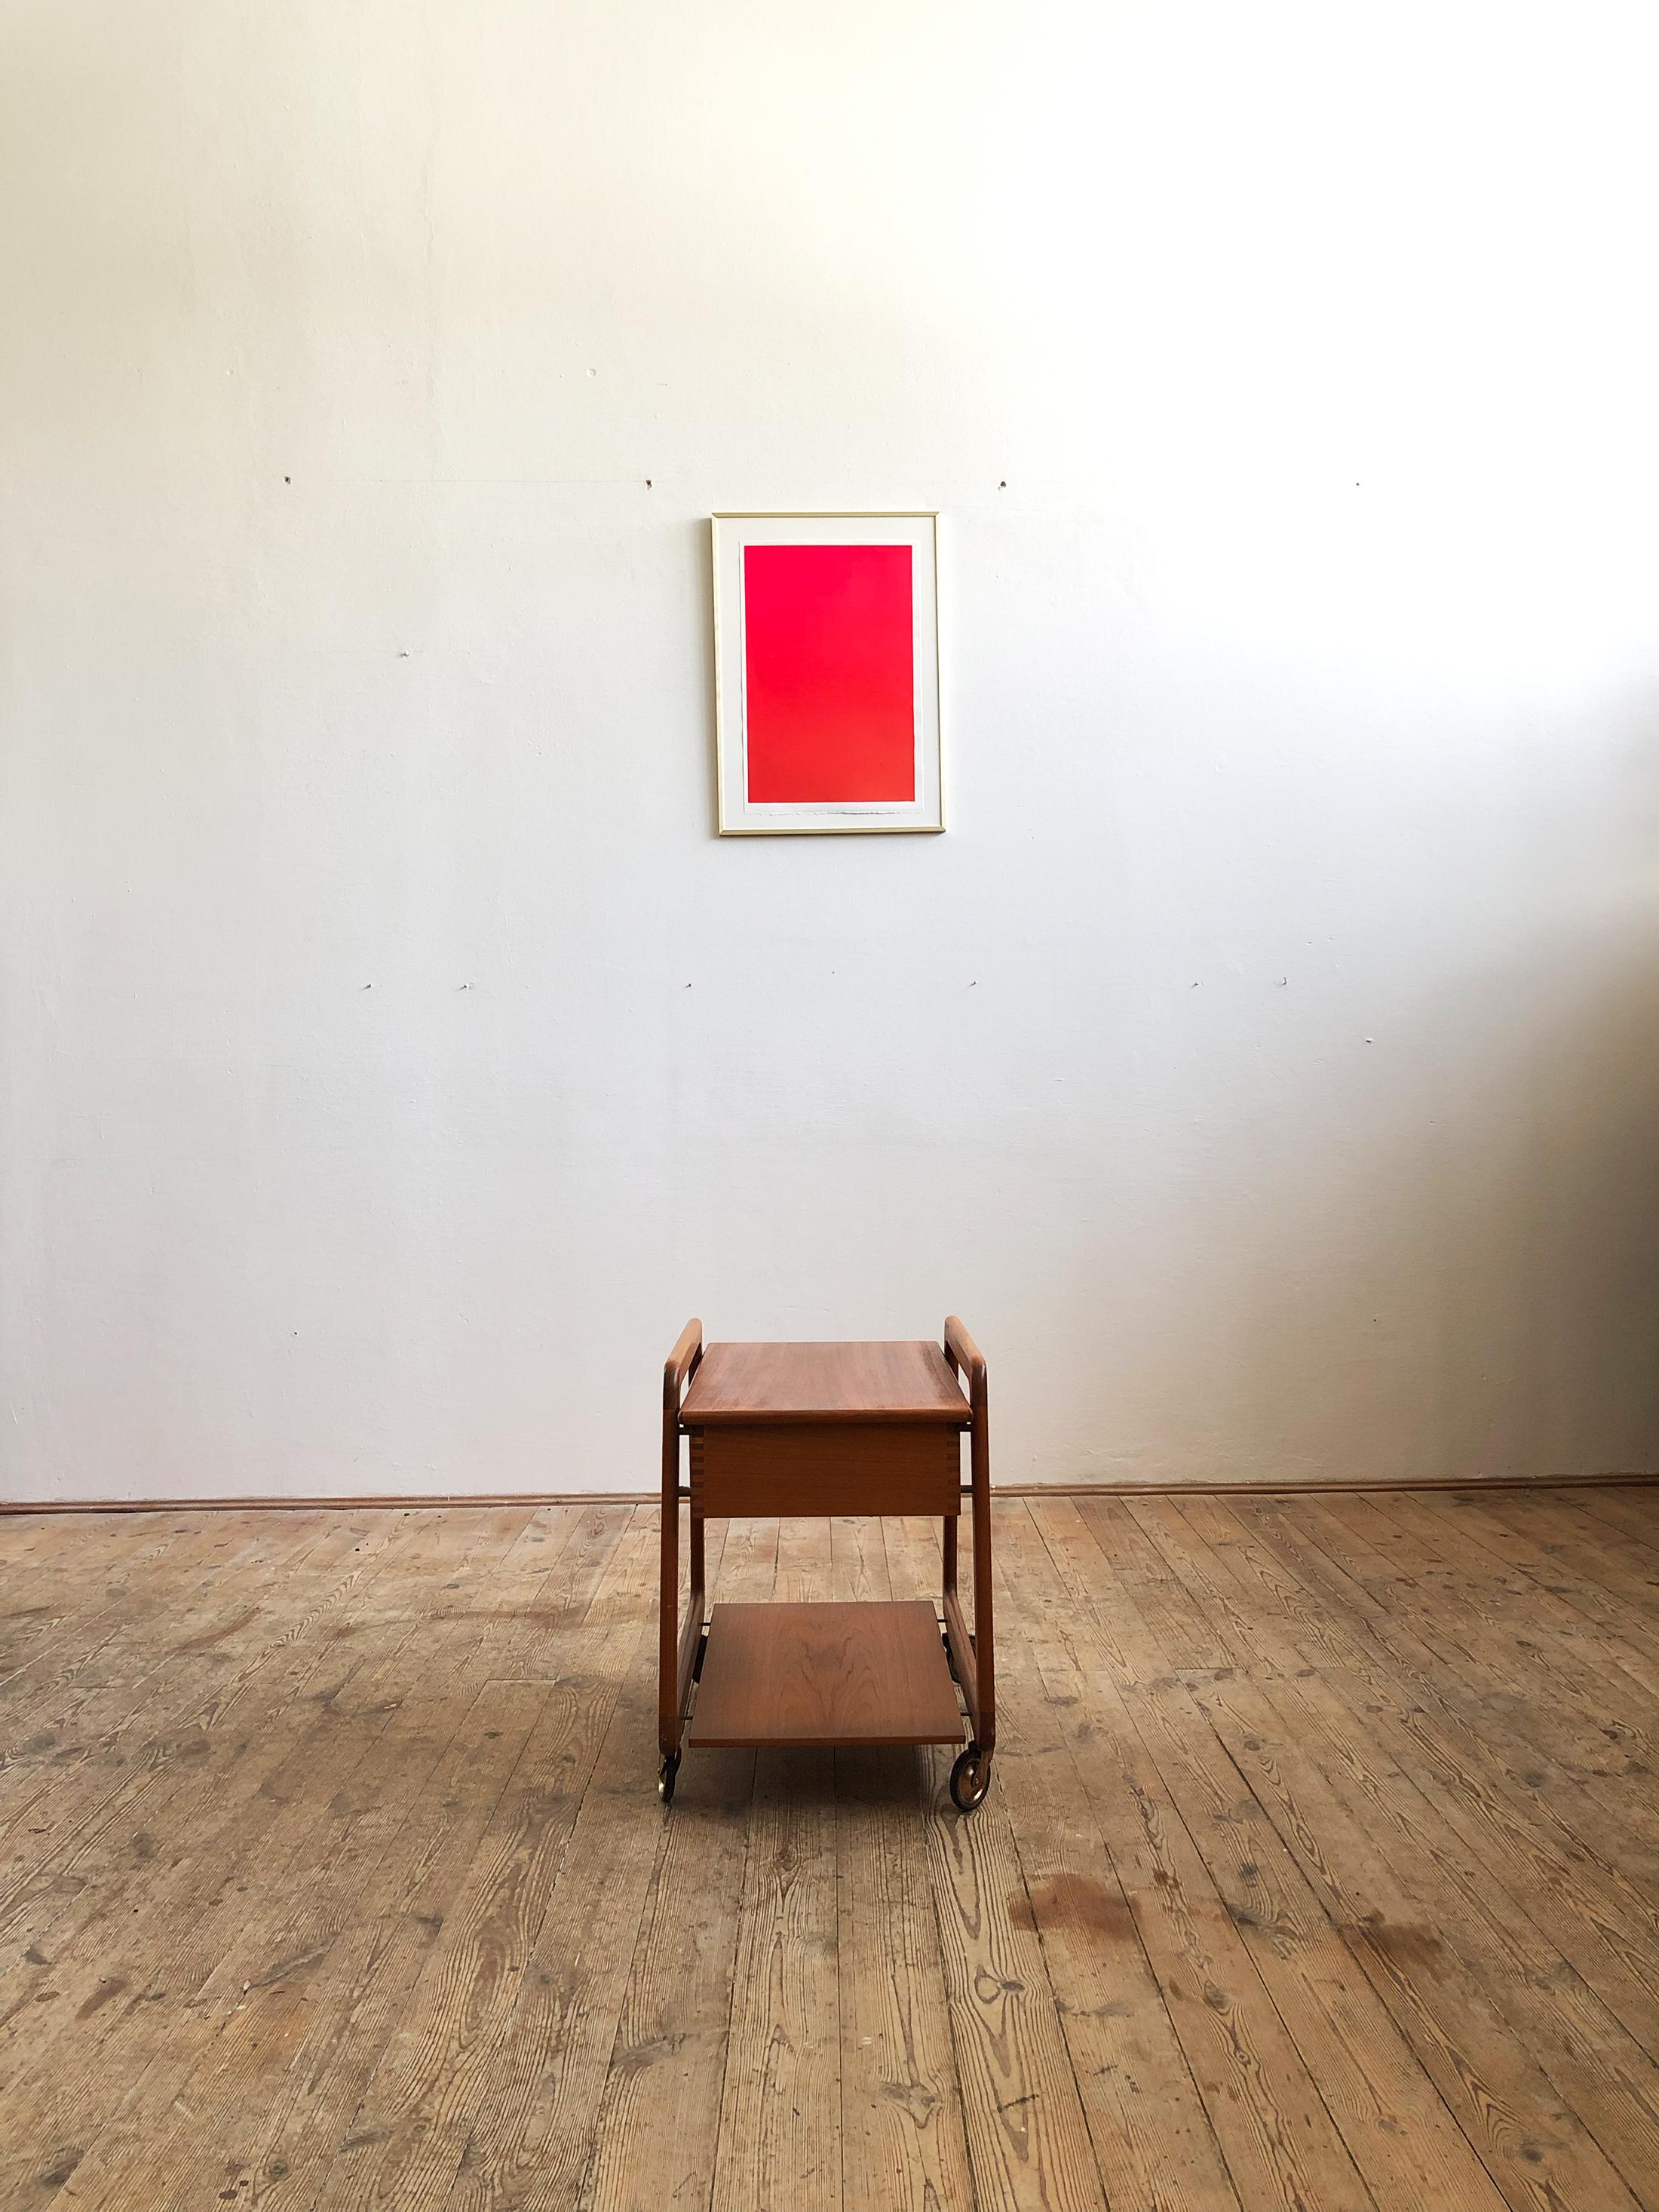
(1320, 1870)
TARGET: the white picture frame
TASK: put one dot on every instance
(741, 812)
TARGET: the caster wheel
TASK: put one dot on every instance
(665, 1774)
(970, 1777)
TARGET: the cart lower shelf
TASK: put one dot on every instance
(783, 1674)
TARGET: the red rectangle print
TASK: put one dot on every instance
(829, 673)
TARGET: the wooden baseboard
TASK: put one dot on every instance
(397, 1501)
(387, 1502)
(1320, 1487)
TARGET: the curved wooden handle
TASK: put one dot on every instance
(688, 1350)
(963, 1349)
(975, 1654)
(677, 1645)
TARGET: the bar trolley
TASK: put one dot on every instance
(776, 1429)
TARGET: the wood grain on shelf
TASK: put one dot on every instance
(825, 1673)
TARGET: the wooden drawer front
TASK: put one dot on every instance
(852, 1466)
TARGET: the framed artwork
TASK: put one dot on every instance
(826, 674)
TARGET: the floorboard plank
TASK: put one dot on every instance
(780, 2131)
(1556, 1754)
(1028, 2142)
(1404, 2140)
(235, 1896)
(1262, 2095)
(658, 2122)
(1613, 1948)
(1319, 1868)
(1154, 2144)
(1469, 2017)
(779, 2135)
(1633, 1512)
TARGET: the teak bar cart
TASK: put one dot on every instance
(784, 1429)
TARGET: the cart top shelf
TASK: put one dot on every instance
(854, 1382)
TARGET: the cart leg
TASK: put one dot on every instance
(668, 1629)
(672, 1661)
(975, 1654)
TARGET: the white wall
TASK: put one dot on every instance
(1264, 1063)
